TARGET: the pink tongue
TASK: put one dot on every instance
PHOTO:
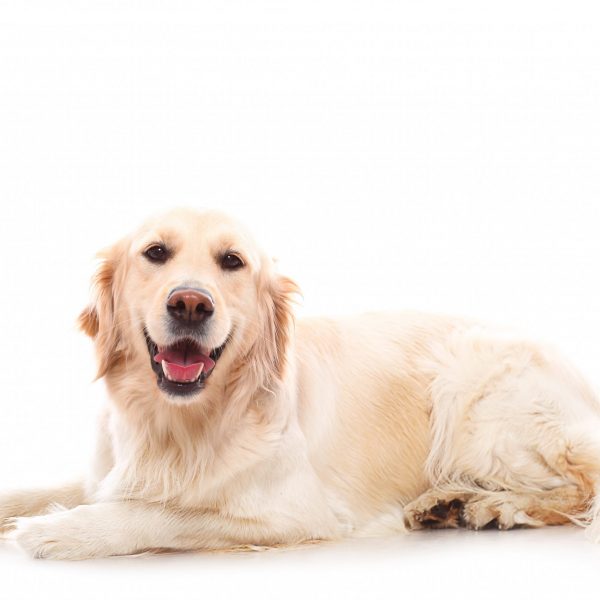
(183, 366)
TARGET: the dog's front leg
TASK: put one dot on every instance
(130, 527)
(29, 502)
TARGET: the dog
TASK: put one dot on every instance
(230, 424)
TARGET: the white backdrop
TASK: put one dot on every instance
(432, 155)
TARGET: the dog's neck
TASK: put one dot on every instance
(194, 443)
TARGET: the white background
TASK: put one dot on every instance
(442, 156)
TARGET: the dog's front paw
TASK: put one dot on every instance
(58, 536)
(11, 506)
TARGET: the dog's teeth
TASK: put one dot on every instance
(165, 369)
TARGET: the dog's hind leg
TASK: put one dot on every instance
(515, 437)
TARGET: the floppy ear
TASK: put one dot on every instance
(98, 319)
(283, 293)
(270, 349)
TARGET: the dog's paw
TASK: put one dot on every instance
(435, 509)
(7, 524)
(10, 508)
(440, 515)
(58, 536)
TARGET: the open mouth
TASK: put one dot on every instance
(183, 367)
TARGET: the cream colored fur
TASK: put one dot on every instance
(308, 430)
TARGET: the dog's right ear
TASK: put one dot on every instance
(98, 319)
(87, 321)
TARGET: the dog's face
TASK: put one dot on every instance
(194, 295)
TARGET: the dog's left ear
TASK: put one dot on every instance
(283, 293)
(98, 319)
(269, 353)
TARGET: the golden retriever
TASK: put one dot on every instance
(231, 425)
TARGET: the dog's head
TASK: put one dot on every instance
(191, 302)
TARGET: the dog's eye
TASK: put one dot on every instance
(156, 253)
(231, 262)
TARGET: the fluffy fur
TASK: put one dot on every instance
(307, 430)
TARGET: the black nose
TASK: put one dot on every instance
(190, 305)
